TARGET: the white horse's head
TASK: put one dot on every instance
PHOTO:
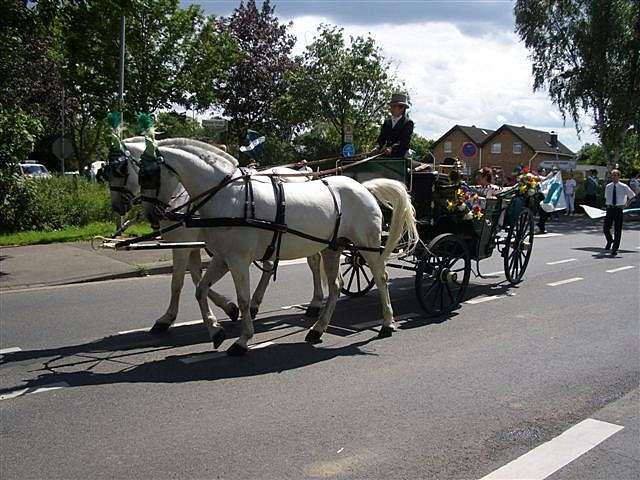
(122, 173)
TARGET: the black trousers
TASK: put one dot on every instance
(614, 216)
(590, 199)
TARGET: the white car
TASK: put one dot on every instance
(32, 169)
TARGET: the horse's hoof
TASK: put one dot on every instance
(254, 312)
(159, 328)
(218, 338)
(234, 312)
(313, 337)
(312, 312)
(236, 350)
(385, 332)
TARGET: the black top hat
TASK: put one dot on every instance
(399, 99)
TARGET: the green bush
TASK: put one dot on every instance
(53, 203)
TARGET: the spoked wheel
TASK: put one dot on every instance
(518, 246)
(357, 279)
(443, 274)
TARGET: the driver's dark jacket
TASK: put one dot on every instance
(398, 137)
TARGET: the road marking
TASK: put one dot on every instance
(146, 329)
(562, 282)
(203, 357)
(378, 323)
(558, 262)
(551, 456)
(4, 351)
(475, 301)
(549, 235)
(620, 269)
(494, 274)
(31, 390)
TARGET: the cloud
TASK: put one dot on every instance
(457, 78)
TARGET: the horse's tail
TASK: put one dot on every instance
(394, 195)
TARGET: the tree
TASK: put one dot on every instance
(257, 80)
(340, 84)
(422, 148)
(591, 154)
(174, 56)
(172, 124)
(587, 53)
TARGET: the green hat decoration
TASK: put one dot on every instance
(114, 120)
(145, 123)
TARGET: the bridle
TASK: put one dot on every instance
(118, 167)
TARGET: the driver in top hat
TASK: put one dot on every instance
(395, 133)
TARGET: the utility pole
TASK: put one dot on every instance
(122, 45)
(63, 131)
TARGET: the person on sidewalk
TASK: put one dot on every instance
(570, 194)
(590, 188)
(616, 196)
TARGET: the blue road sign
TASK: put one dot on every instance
(469, 149)
(348, 150)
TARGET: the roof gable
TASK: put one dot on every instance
(538, 140)
(475, 134)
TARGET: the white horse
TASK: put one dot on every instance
(125, 186)
(312, 208)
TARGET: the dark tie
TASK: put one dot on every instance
(615, 203)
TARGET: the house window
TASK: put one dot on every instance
(517, 148)
(447, 147)
(496, 148)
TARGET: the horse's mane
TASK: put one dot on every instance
(133, 140)
(177, 142)
(208, 158)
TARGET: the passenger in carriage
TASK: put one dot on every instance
(396, 131)
(486, 188)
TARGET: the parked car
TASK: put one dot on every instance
(31, 169)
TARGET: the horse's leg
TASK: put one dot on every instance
(331, 259)
(377, 267)
(177, 281)
(258, 295)
(313, 310)
(195, 269)
(239, 269)
(215, 271)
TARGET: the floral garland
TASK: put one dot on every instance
(527, 184)
(466, 204)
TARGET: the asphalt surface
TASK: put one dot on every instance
(451, 398)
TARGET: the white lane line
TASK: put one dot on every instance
(181, 324)
(494, 274)
(551, 456)
(29, 391)
(549, 235)
(378, 323)
(4, 351)
(490, 298)
(558, 262)
(562, 282)
(203, 357)
(620, 269)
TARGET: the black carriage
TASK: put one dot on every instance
(449, 242)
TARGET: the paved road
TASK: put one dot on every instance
(456, 399)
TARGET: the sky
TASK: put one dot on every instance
(461, 61)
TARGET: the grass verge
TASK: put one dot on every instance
(70, 234)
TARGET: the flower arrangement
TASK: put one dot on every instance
(466, 204)
(527, 184)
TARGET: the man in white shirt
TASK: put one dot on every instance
(616, 196)
(570, 194)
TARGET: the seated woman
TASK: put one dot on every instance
(486, 188)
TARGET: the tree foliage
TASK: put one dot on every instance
(342, 83)
(257, 80)
(586, 52)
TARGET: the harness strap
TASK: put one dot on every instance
(276, 240)
(333, 244)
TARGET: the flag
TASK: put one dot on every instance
(596, 213)
(553, 191)
(255, 144)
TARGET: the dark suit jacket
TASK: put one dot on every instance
(397, 137)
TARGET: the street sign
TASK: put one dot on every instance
(348, 150)
(62, 150)
(348, 134)
(215, 123)
(469, 149)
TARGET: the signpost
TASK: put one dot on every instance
(469, 149)
(348, 150)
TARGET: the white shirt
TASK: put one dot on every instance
(395, 120)
(623, 194)
(570, 186)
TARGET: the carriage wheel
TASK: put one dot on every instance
(443, 274)
(357, 279)
(518, 246)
